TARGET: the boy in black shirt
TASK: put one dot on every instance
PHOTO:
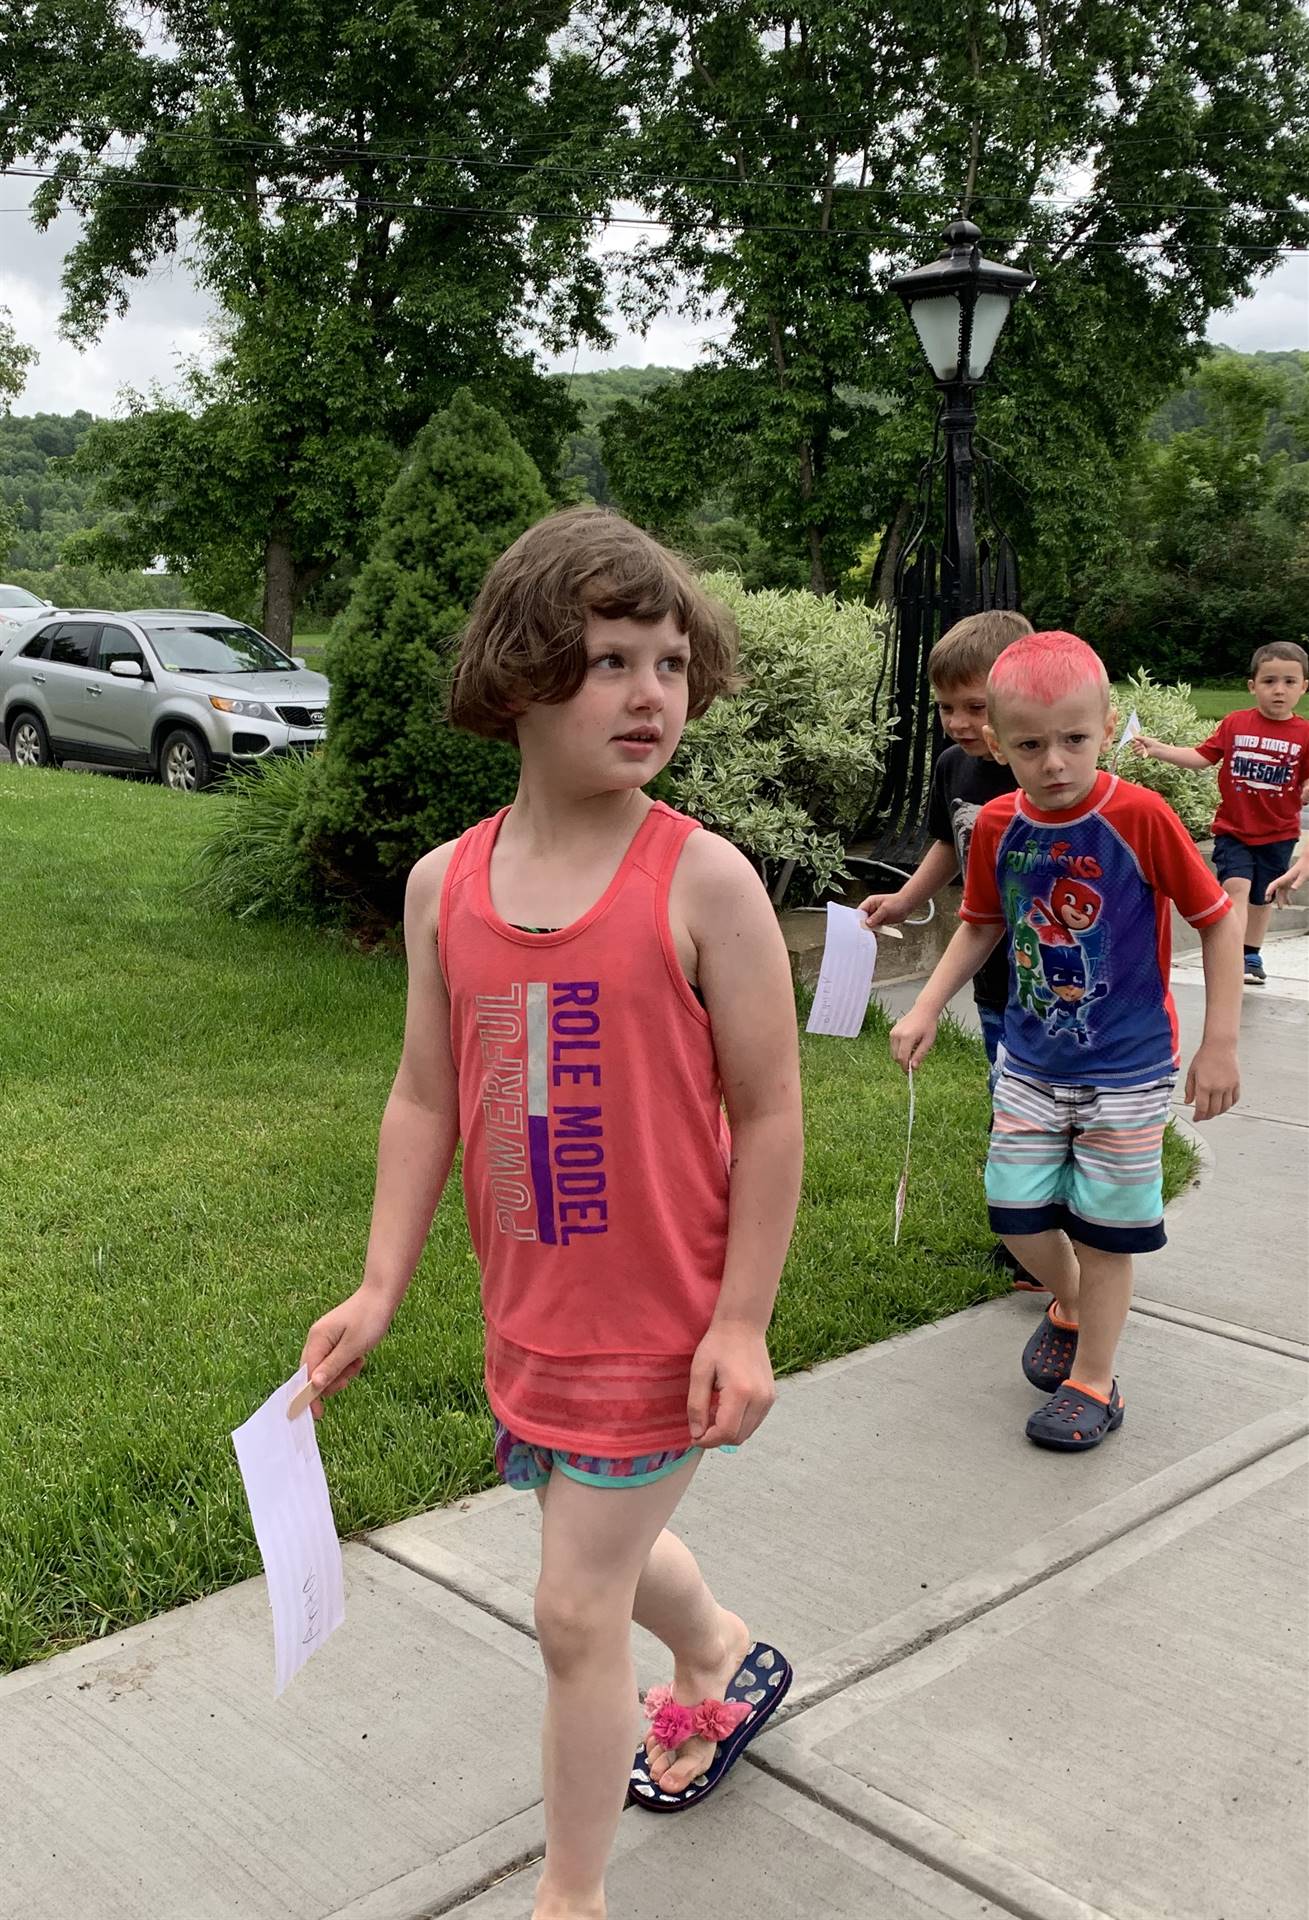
(964, 778)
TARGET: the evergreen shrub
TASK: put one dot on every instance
(395, 779)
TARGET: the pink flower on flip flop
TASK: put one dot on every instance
(673, 1724)
(716, 1719)
(656, 1698)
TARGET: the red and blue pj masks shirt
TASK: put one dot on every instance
(1086, 895)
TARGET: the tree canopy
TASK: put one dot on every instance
(798, 157)
(1208, 556)
(379, 202)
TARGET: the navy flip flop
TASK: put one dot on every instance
(1076, 1418)
(761, 1683)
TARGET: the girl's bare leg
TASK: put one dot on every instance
(595, 1542)
(707, 1643)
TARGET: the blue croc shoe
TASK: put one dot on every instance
(1048, 1355)
(1076, 1418)
(760, 1686)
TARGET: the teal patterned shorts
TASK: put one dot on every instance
(521, 1463)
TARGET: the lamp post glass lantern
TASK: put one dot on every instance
(958, 305)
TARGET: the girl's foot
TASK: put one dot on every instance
(547, 1907)
(673, 1772)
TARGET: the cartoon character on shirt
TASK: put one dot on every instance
(1032, 997)
(1072, 910)
(1064, 968)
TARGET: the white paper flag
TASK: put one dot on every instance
(846, 977)
(292, 1513)
(902, 1191)
(1130, 731)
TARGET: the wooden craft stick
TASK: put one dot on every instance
(298, 1402)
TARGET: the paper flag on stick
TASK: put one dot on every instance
(846, 978)
(292, 1513)
(902, 1191)
(1130, 731)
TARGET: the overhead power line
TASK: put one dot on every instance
(118, 182)
(476, 160)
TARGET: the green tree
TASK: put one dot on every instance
(797, 158)
(394, 779)
(378, 201)
(1210, 554)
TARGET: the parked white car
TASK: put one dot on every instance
(18, 608)
(180, 694)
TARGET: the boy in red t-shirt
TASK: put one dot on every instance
(1264, 756)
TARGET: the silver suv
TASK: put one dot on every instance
(180, 694)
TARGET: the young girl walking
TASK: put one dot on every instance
(591, 980)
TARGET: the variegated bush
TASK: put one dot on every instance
(1166, 713)
(788, 768)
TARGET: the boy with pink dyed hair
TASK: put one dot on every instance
(1083, 869)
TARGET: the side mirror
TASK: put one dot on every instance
(295, 662)
(126, 669)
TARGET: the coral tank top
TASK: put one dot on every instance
(595, 1161)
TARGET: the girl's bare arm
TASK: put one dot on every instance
(420, 1125)
(420, 1129)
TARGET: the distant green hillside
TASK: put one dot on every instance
(1288, 428)
(597, 394)
(45, 501)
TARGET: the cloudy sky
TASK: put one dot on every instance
(169, 317)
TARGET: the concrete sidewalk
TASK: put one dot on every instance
(1025, 1684)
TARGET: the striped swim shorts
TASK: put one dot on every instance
(1087, 1159)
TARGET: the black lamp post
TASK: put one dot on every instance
(958, 306)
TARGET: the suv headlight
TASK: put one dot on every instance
(248, 709)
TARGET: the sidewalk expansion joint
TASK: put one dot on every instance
(1007, 1886)
(976, 1595)
(796, 1756)
(465, 1585)
(1221, 1329)
(449, 1884)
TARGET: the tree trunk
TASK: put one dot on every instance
(817, 570)
(889, 554)
(280, 593)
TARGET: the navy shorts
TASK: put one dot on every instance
(1234, 860)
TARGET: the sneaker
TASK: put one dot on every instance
(1254, 971)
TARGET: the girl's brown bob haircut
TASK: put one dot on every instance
(526, 636)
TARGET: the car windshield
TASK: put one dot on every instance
(18, 597)
(217, 650)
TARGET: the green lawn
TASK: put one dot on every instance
(1211, 703)
(191, 1109)
(310, 647)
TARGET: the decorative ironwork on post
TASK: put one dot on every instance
(949, 565)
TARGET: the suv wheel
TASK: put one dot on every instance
(184, 763)
(29, 743)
